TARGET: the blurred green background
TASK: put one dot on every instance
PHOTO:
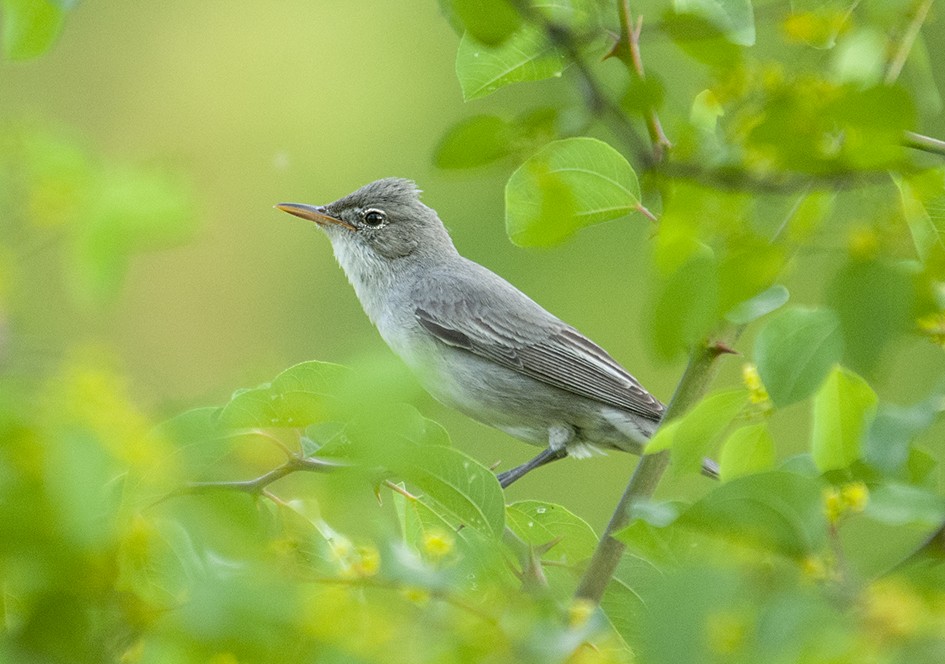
(258, 103)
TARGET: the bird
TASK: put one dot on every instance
(476, 342)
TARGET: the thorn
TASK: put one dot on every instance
(542, 549)
(638, 30)
(721, 348)
(618, 50)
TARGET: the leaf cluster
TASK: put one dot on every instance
(314, 517)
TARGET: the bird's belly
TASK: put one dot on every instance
(517, 404)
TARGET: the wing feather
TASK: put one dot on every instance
(476, 310)
(561, 356)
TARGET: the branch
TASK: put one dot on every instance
(257, 486)
(898, 61)
(598, 100)
(692, 386)
(739, 179)
(924, 143)
(627, 49)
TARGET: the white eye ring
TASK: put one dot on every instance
(374, 217)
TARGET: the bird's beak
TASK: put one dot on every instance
(313, 213)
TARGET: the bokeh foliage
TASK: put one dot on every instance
(319, 518)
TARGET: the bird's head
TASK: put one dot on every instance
(381, 220)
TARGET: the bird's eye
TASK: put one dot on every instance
(374, 218)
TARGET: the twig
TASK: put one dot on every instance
(693, 384)
(257, 486)
(598, 101)
(898, 61)
(627, 49)
(399, 489)
(738, 179)
(642, 209)
(924, 143)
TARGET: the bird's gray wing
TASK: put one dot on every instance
(489, 317)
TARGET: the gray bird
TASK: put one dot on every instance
(475, 342)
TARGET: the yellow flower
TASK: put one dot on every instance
(850, 498)
(757, 394)
(855, 495)
(814, 568)
(341, 548)
(368, 562)
(580, 611)
(813, 27)
(933, 326)
(438, 543)
(416, 595)
(834, 506)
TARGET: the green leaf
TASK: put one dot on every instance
(680, 615)
(923, 205)
(734, 18)
(760, 305)
(484, 139)
(795, 351)
(418, 518)
(817, 23)
(873, 121)
(844, 407)
(701, 39)
(565, 186)
(748, 266)
(198, 438)
(860, 57)
(538, 523)
(578, 15)
(698, 429)
(890, 436)
(901, 504)
(476, 141)
(685, 305)
(874, 299)
(705, 112)
(747, 451)
(922, 467)
(463, 486)
(621, 602)
(525, 56)
(648, 535)
(30, 27)
(919, 77)
(489, 21)
(299, 396)
(819, 128)
(776, 510)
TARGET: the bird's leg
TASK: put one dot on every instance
(547, 455)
